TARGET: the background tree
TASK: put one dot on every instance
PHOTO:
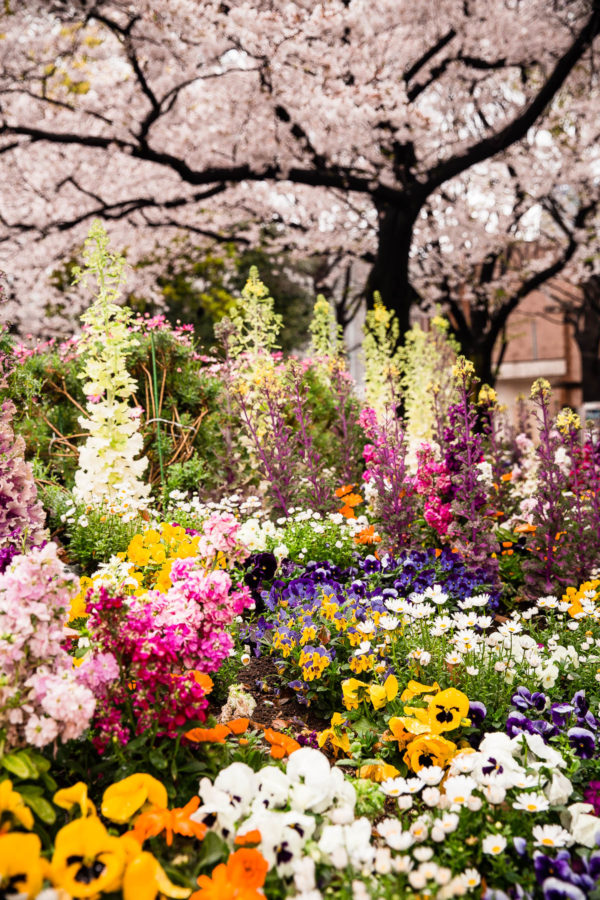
(339, 123)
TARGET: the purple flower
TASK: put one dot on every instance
(560, 713)
(592, 795)
(477, 712)
(517, 723)
(555, 889)
(524, 699)
(552, 867)
(582, 741)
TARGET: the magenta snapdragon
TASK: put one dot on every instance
(149, 654)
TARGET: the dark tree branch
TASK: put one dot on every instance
(517, 129)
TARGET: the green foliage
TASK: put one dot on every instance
(224, 677)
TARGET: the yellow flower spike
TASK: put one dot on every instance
(87, 860)
(76, 795)
(12, 803)
(22, 869)
(145, 878)
(447, 709)
(124, 798)
(429, 750)
(414, 688)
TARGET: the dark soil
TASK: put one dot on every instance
(276, 705)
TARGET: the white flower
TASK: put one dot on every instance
(532, 803)
(584, 827)
(449, 822)
(304, 874)
(494, 793)
(431, 796)
(493, 844)
(383, 861)
(394, 787)
(459, 788)
(431, 775)
(551, 836)
(405, 802)
(471, 879)
(389, 623)
(559, 789)
(392, 833)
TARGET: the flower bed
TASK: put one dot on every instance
(423, 629)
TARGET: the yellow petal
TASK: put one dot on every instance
(144, 878)
(123, 799)
(76, 795)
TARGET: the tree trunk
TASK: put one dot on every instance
(389, 274)
(587, 337)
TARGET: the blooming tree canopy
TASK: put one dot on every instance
(355, 123)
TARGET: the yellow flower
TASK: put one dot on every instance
(380, 694)
(76, 795)
(362, 663)
(87, 861)
(144, 878)
(353, 692)
(378, 771)
(124, 798)
(335, 735)
(429, 750)
(12, 803)
(22, 869)
(447, 709)
(415, 688)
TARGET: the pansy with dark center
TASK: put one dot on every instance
(582, 741)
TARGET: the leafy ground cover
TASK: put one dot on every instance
(261, 638)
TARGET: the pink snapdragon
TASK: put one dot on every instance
(433, 482)
(41, 695)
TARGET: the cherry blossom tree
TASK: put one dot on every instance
(344, 125)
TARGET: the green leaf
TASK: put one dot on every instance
(157, 759)
(214, 850)
(41, 808)
(17, 764)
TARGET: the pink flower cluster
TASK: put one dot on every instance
(433, 481)
(219, 535)
(149, 654)
(21, 512)
(41, 695)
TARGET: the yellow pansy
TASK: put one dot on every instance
(336, 736)
(76, 795)
(354, 691)
(378, 772)
(380, 694)
(145, 878)
(22, 869)
(124, 798)
(13, 805)
(87, 860)
(447, 709)
(415, 688)
(429, 750)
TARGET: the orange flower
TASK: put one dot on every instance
(173, 821)
(239, 879)
(238, 726)
(525, 529)
(251, 837)
(281, 744)
(216, 735)
(367, 536)
(344, 489)
(203, 680)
